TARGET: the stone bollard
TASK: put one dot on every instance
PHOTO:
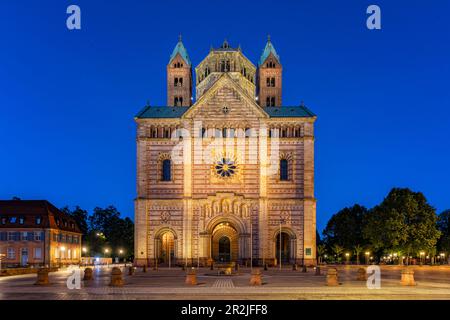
(116, 277)
(191, 277)
(362, 274)
(144, 268)
(294, 267)
(304, 269)
(317, 271)
(407, 278)
(256, 279)
(88, 274)
(130, 270)
(236, 267)
(332, 277)
(265, 267)
(42, 277)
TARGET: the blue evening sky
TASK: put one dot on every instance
(68, 98)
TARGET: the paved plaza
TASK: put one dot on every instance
(432, 283)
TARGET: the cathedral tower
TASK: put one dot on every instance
(179, 77)
(269, 77)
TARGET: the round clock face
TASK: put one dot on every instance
(226, 167)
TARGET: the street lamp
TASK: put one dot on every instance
(367, 253)
(347, 256)
(120, 252)
(422, 254)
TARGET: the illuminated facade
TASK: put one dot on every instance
(218, 178)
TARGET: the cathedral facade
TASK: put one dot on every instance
(227, 176)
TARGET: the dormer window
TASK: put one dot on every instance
(3, 220)
(12, 219)
(21, 220)
(38, 220)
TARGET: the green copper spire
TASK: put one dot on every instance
(180, 49)
(267, 51)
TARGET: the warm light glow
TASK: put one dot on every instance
(106, 250)
(367, 253)
(422, 253)
(120, 251)
(62, 248)
(347, 254)
(84, 250)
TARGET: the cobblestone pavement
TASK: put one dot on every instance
(432, 283)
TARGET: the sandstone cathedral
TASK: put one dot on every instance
(227, 177)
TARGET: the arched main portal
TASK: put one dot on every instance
(225, 243)
(224, 249)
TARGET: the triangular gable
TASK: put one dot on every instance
(225, 81)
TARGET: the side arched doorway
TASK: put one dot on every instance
(165, 247)
(285, 246)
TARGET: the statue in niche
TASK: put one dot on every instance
(208, 211)
(236, 210)
(225, 206)
(244, 211)
(216, 207)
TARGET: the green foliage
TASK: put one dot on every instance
(444, 227)
(81, 218)
(358, 249)
(337, 250)
(321, 250)
(105, 229)
(345, 227)
(404, 221)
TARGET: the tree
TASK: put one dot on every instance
(345, 227)
(404, 221)
(337, 250)
(444, 227)
(81, 218)
(320, 252)
(109, 230)
(358, 249)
